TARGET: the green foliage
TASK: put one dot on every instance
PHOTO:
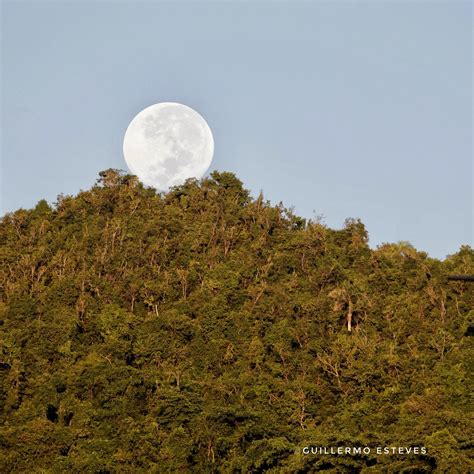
(205, 331)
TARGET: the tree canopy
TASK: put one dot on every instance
(203, 330)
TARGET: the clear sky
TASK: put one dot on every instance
(340, 109)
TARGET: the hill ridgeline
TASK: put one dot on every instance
(203, 330)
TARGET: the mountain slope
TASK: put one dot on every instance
(206, 331)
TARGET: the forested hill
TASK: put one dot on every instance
(204, 331)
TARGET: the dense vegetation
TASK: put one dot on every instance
(203, 330)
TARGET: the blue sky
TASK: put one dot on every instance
(340, 109)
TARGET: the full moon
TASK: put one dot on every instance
(167, 143)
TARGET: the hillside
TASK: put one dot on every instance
(205, 331)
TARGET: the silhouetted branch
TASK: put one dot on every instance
(461, 277)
